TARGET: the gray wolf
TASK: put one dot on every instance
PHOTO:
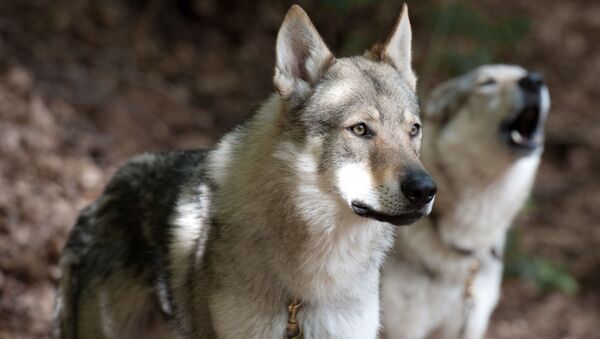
(280, 230)
(485, 133)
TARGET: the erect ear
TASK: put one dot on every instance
(396, 48)
(301, 55)
(446, 99)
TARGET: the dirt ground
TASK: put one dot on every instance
(84, 85)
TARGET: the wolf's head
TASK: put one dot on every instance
(354, 122)
(488, 119)
(484, 146)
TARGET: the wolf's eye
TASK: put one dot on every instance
(361, 130)
(415, 130)
(487, 82)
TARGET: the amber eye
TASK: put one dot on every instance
(360, 130)
(415, 130)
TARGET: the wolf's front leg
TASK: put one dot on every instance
(486, 293)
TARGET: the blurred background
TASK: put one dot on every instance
(86, 84)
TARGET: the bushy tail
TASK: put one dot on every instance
(65, 306)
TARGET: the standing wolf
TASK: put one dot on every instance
(484, 143)
(278, 231)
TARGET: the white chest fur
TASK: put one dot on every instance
(353, 319)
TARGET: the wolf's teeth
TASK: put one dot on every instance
(516, 136)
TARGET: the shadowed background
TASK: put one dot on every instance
(86, 84)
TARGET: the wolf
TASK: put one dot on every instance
(279, 231)
(483, 147)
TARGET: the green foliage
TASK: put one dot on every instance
(346, 5)
(463, 38)
(356, 41)
(530, 204)
(546, 276)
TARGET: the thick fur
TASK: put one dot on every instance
(483, 182)
(217, 243)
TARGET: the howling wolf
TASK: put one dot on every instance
(485, 133)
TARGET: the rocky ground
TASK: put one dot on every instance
(84, 85)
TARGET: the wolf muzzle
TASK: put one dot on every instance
(525, 130)
(418, 188)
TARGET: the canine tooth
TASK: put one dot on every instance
(516, 136)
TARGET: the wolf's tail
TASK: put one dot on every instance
(66, 306)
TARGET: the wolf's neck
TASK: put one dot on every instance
(294, 231)
(478, 217)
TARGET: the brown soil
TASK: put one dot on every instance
(84, 85)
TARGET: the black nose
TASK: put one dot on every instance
(532, 82)
(419, 189)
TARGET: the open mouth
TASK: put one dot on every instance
(402, 219)
(525, 129)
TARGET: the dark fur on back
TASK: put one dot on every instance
(127, 229)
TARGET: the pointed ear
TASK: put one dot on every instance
(301, 55)
(445, 100)
(396, 48)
